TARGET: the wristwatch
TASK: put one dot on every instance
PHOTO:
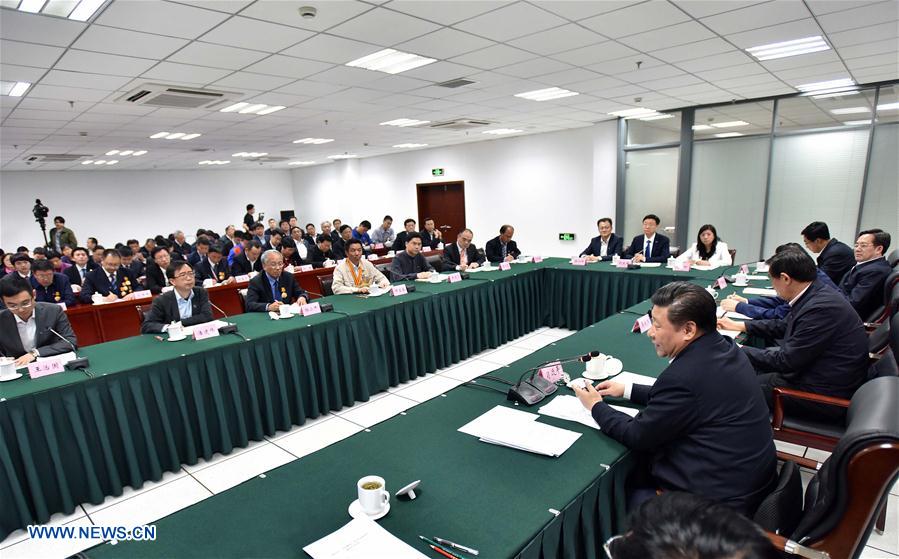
(35, 353)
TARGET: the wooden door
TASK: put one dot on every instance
(444, 202)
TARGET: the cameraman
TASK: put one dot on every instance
(62, 235)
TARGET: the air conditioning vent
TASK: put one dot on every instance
(455, 83)
(460, 124)
(160, 95)
(55, 157)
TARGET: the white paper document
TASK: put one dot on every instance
(634, 378)
(759, 291)
(520, 430)
(729, 333)
(570, 408)
(757, 278)
(737, 315)
(362, 538)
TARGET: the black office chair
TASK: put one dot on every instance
(142, 314)
(481, 253)
(890, 301)
(733, 255)
(324, 284)
(778, 512)
(436, 261)
(893, 258)
(242, 293)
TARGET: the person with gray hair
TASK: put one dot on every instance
(181, 249)
(273, 288)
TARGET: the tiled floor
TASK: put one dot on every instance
(177, 490)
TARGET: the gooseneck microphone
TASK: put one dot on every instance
(78, 362)
(535, 388)
(228, 328)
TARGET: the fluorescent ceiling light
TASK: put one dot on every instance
(249, 154)
(728, 135)
(216, 162)
(888, 107)
(730, 124)
(856, 122)
(190, 136)
(390, 61)
(100, 162)
(789, 48)
(252, 108)
(126, 152)
(85, 9)
(403, 122)
(850, 110)
(60, 8)
(19, 89)
(546, 94)
(832, 84)
(174, 135)
(301, 162)
(270, 110)
(31, 6)
(112, 152)
(630, 113)
(158, 135)
(410, 145)
(343, 156)
(501, 131)
(837, 94)
(234, 107)
(313, 140)
(658, 116)
(113, 162)
(87, 162)
(139, 152)
(700, 127)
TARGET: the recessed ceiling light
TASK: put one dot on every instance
(216, 162)
(313, 141)
(837, 94)
(175, 135)
(728, 135)
(100, 162)
(789, 48)
(85, 9)
(113, 162)
(270, 110)
(249, 154)
(390, 61)
(159, 135)
(828, 85)
(546, 94)
(730, 124)
(404, 122)
(234, 107)
(631, 113)
(256, 108)
(32, 6)
(301, 162)
(87, 162)
(190, 136)
(343, 156)
(699, 127)
(112, 152)
(126, 152)
(501, 131)
(19, 89)
(888, 107)
(856, 122)
(658, 116)
(252, 108)
(850, 111)
(410, 145)
(139, 152)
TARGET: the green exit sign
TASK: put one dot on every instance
(437, 172)
(566, 236)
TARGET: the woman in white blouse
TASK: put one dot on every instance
(708, 249)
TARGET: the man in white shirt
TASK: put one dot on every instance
(26, 326)
(355, 274)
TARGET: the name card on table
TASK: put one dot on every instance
(242, 279)
(62, 306)
(552, 372)
(45, 367)
(643, 324)
(373, 257)
(537, 259)
(453, 278)
(744, 269)
(203, 331)
(398, 290)
(622, 263)
(721, 283)
(306, 268)
(144, 294)
(377, 246)
(310, 309)
(505, 266)
(578, 261)
(681, 266)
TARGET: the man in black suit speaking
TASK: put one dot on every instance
(273, 288)
(462, 255)
(705, 423)
(26, 326)
(186, 303)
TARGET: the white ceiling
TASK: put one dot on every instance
(690, 53)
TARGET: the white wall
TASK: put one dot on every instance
(542, 184)
(116, 205)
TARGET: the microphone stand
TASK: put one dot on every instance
(78, 362)
(536, 388)
(228, 328)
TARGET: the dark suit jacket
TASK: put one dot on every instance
(155, 278)
(616, 245)
(494, 251)
(452, 257)
(46, 316)
(863, 286)
(836, 259)
(338, 247)
(60, 291)
(404, 267)
(165, 311)
(259, 292)
(204, 270)
(426, 241)
(705, 424)
(74, 275)
(824, 348)
(180, 252)
(317, 258)
(661, 248)
(241, 265)
(98, 282)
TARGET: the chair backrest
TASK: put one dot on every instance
(843, 498)
(886, 366)
(324, 283)
(733, 255)
(894, 336)
(780, 511)
(243, 298)
(141, 313)
(893, 258)
(890, 299)
(436, 261)
(481, 253)
(383, 267)
(879, 339)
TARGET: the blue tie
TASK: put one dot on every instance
(275, 292)
(646, 253)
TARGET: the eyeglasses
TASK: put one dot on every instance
(863, 245)
(275, 265)
(607, 547)
(23, 306)
(186, 275)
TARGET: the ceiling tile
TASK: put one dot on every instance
(798, 61)
(579, 9)
(446, 12)
(559, 39)
(703, 8)
(879, 32)
(649, 74)
(493, 57)
(309, 88)
(163, 18)
(248, 80)
(330, 13)
(444, 44)
(28, 54)
(35, 28)
(511, 21)
(754, 17)
(535, 67)
(383, 27)
(13, 73)
(875, 47)
(258, 35)
(691, 51)
(594, 54)
(441, 71)
(174, 71)
(678, 34)
(110, 40)
(288, 66)
(727, 59)
(807, 74)
(217, 56)
(873, 60)
(626, 64)
(112, 64)
(745, 71)
(230, 6)
(870, 14)
(565, 77)
(67, 93)
(635, 19)
(776, 33)
(82, 79)
(345, 75)
(327, 48)
(397, 83)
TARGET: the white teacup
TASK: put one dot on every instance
(741, 279)
(435, 278)
(596, 367)
(285, 311)
(7, 367)
(391, 253)
(176, 332)
(373, 495)
(712, 292)
(97, 298)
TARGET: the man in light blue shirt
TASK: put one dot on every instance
(384, 234)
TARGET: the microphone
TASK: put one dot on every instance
(325, 307)
(78, 362)
(229, 328)
(536, 388)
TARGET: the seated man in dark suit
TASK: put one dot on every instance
(50, 286)
(83, 264)
(431, 237)
(705, 424)
(650, 246)
(502, 248)
(606, 245)
(130, 262)
(339, 246)
(213, 266)
(399, 243)
(248, 260)
(201, 249)
(410, 264)
(462, 255)
(822, 344)
(321, 252)
(270, 290)
(863, 283)
(180, 247)
(25, 324)
(187, 303)
(156, 278)
(109, 280)
(274, 241)
(834, 257)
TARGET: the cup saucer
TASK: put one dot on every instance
(13, 376)
(356, 511)
(612, 368)
(170, 339)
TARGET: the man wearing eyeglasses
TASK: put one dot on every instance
(863, 283)
(25, 324)
(273, 288)
(187, 303)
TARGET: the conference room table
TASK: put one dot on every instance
(148, 406)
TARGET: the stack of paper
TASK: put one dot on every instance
(634, 378)
(361, 538)
(757, 277)
(571, 409)
(759, 291)
(520, 430)
(737, 315)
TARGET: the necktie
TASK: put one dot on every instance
(111, 282)
(83, 272)
(463, 257)
(648, 252)
(275, 292)
(504, 250)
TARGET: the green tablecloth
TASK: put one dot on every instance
(493, 498)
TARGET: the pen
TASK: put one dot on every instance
(444, 553)
(432, 543)
(460, 547)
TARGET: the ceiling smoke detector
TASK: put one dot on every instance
(308, 12)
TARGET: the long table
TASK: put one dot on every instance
(151, 406)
